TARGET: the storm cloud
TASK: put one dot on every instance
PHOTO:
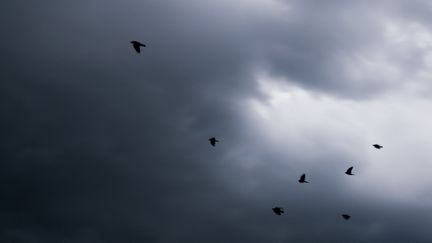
(101, 144)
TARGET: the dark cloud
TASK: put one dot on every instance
(100, 144)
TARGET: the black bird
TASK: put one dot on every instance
(278, 210)
(303, 179)
(213, 141)
(377, 146)
(349, 171)
(346, 216)
(136, 45)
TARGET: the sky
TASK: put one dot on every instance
(102, 144)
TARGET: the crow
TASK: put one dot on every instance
(377, 146)
(278, 210)
(349, 171)
(346, 216)
(136, 45)
(213, 141)
(303, 179)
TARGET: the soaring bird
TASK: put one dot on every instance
(278, 210)
(303, 179)
(213, 141)
(349, 171)
(136, 45)
(377, 146)
(346, 216)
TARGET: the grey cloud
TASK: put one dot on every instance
(100, 144)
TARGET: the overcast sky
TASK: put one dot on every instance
(101, 144)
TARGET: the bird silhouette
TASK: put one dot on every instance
(377, 146)
(213, 141)
(349, 171)
(278, 210)
(303, 179)
(136, 45)
(346, 216)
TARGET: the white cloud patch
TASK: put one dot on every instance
(297, 121)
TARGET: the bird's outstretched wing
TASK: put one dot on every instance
(136, 47)
(303, 177)
(349, 171)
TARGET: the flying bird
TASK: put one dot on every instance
(346, 216)
(303, 179)
(278, 210)
(377, 146)
(213, 141)
(349, 171)
(136, 45)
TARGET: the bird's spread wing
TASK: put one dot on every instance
(303, 177)
(136, 47)
(350, 169)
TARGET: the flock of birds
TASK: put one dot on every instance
(280, 210)
(277, 210)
